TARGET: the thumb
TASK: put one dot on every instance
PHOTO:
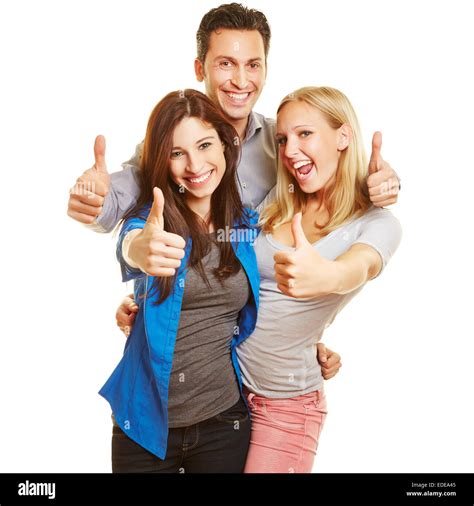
(298, 232)
(99, 154)
(156, 213)
(322, 353)
(375, 155)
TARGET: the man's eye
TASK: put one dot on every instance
(305, 133)
(255, 66)
(176, 154)
(226, 64)
(281, 141)
(204, 145)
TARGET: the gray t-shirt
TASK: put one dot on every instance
(203, 382)
(279, 358)
(256, 174)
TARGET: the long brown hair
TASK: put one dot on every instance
(226, 205)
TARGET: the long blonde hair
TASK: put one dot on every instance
(348, 196)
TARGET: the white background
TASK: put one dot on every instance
(70, 70)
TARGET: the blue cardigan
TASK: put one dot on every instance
(137, 390)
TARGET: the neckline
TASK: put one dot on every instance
(285, 247)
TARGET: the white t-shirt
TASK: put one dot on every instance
(279, 358)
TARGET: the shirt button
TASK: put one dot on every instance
(244, 185)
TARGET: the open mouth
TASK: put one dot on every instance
(200, 180)
(303, 169)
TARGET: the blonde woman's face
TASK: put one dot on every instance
(309, 147)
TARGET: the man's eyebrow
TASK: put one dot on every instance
(231, 58)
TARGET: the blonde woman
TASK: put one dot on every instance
(320, 230)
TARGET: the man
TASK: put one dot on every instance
(232, 49)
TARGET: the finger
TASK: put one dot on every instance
(89, 183)
(376, 152)
(321, 353)
(170, 252)
(334, 360)
(75, 204)
(86, 219)
(156, 213)
(162, 272)
(386, 203)
(283, 257)
(174, 240)
(287, 281)
(382, 196)
(161, 261)
(389, 188)
(124, 319)
(85, 196)
(385, 175)
(99, 154)
(298, 232)
(284, 270)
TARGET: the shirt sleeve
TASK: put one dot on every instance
(123, 194)
(128, 272)
(381, 230)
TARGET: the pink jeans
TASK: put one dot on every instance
(285, 432)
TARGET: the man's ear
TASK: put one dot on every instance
(344, 136)
(199, 70)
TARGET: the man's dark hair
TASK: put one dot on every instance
(232, 16)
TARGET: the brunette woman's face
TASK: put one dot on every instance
(197, 162)
(309, 147)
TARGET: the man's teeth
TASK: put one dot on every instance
(238, 96)
(301, 163)
(200, 179)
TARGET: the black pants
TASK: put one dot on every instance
(216, 445)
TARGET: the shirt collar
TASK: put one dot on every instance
(254, 124)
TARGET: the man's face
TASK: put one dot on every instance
(234, 71)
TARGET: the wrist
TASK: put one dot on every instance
(129, 249)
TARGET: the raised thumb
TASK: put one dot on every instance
(298, 232)
(156, 213)
(99, 154)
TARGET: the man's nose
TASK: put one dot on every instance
(239, 77)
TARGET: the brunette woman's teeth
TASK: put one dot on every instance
(200, 179)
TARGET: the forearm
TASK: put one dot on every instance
(123, 195)
(355, 267)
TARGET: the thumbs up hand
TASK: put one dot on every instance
(304, 273)
(86, 197)
(153, 250)
(383, 183)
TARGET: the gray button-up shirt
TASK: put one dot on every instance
(256, 174)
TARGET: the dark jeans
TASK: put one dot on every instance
(216, 445)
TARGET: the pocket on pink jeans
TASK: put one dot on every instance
(283, 418)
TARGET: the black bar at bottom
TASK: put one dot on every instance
(234, 489)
